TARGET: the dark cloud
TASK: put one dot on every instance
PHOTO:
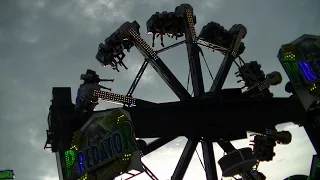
(50, 43)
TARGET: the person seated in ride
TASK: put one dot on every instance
(120, 58)
(114, 64)
(110, 60)
(127, 44)
(117, 49)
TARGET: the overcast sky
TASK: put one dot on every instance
(50, 43)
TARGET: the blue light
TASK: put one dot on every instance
(81, 166)
(78, 99)
(307, 72)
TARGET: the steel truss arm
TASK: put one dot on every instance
(155, 145)
(138, 77)
(159, 66)
(224, 69)
(226, 146)
(193, 51)
(185, 159)
(209, 160)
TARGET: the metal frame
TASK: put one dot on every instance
(197, 81)
(146, 170)
(229, 58)
(180, 91)
(138, 77)
(159, 66)
(185, 159)
(204, 130)
(193, 52)
(209, 160)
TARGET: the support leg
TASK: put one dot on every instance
(209, 160)
(312, 127)
(185, 159)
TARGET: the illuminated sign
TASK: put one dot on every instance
(6, 174)
(297, 68)
(290, 64)
(307, 71)
(103, 148)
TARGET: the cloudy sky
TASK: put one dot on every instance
(50, 43)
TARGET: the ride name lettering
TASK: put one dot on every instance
(111, 147)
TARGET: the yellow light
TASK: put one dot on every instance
(313, 87)
(76, 140)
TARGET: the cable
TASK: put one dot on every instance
(189, 75)
(257, 166)
(241, 60)
(188, 79)
(201, 52)
(237, 63)
(200, 160)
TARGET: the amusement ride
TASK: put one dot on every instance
(101, 145)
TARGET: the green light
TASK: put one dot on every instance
(293, 71)
(7, 174)
(70, 158)
(290, 64)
